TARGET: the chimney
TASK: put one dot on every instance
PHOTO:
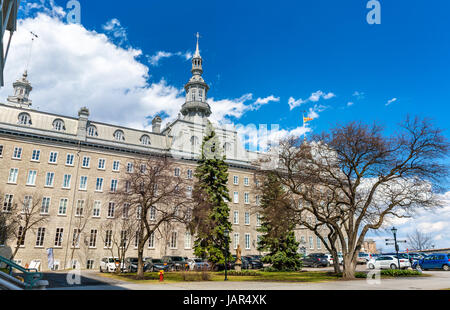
(83, 116)
(156, 124)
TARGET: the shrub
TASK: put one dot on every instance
(400, 273)
(242, 273)
(196, 276)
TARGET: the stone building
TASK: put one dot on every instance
(64, 161)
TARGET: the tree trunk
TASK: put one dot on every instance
(349, 267)
(15, 252)
(140, 269)
(337, 267)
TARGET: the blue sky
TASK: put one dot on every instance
(259, 56)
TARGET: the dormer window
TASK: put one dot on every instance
(24, 119)
(119, 135)
(92, 131)
(145, 140)
(58, 125)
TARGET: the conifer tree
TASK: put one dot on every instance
(211, 211)
(277, 226)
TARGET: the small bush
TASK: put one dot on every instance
(400, 273)
(241, 273)
(196, 276)
(273, 269)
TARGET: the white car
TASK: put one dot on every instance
(331, 259)
(110, 264)
(388, 262)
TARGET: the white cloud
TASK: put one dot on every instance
(350, 103)
(359, 95)
(315, 97)
(391, 101)
(116, 31)
(154, 59)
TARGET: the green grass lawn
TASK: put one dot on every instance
(256, 276)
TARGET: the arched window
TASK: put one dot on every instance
(119, 135)
(194, 141)
(92, 131)
(58, 124)
(24, 119)
(145, 140)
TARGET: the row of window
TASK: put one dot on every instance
(109, 239)
(311, 242)
(59, 125)
(246, 218)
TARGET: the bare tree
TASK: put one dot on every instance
(117, 235)
(156, 195)
(419, 240)
(24, 217)
(352, 179)
(7, 225)
(82, 217)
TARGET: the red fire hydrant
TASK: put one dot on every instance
(161, 275)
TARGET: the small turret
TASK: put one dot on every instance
(22, 90)
(156, 124)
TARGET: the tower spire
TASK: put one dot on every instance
(196, 89)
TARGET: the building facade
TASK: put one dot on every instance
(62, 162)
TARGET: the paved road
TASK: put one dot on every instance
(92, 281)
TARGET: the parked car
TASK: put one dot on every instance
(388, 262)
(198, 264)
(253, 263)
(110, 264)
(131, 264)
(175, 263)
(315, 260)
(417, 256)
(434, 261)
(157, 264)
(363, 258)
(331, 259)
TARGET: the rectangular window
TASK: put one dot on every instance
(17, 154)
(45, 205)
(236, 197)
(99, 185)
(97, 209)
(12, 178)
(136, 240)
(66, 181)
(83, 183)
(69, 159)
(189, 192)
(1, 150)
(93, 238)
(125, 210)
(247, 218)
(116, 165)
(247, 241)
(40, 237)
(86, 162)
(101, 164)
(311, 243)
(49, 179)
(152, 213)
(8, 203)
(36, 155)
(236, 217)
(62, 210)
(177, 172)
(151, 241)
(59, 237)
(3, 235)
(189, 174)
(130, 167)
(246, 181)
(258, 220)
(21, 236)
(236, 240)
(27, 204)
(53, 158)
(111, 207)
(235, 180)
(187, 240)
(90, 264)
(257, 200)
(319, 243)
(173, 240)
(123, 239)
(108, 239)
(31, 180)
(80, 208)
(76, 238)
(246, 198)
(113, 186)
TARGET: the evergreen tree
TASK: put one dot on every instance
(211, 212)
(277, 226)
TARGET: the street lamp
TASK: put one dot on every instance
(394, 232)
(226, 234)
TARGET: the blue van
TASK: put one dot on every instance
(435, 261)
